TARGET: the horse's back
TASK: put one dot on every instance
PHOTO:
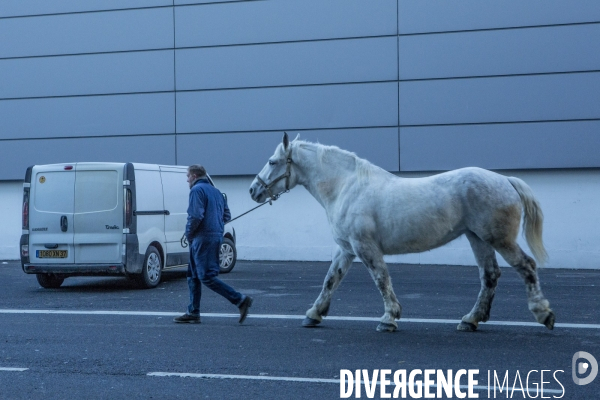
(417, 214)
(461, 188)
(476, 184)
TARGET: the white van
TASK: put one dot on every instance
(105, 219)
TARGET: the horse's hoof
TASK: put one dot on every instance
(310, 323)
(466, 327)
(549, 321)
(383, 327)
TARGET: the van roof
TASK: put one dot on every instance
(143, 166)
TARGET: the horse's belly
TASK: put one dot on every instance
(419, 228)
(418, 244)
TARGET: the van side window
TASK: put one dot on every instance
(96, 191)
(176, 191)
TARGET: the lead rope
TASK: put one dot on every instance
(270, 201)
(184, 242)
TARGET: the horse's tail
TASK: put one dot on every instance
(533, 220)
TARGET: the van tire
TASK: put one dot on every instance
(227, 256)
(49, 281)
(151, 269)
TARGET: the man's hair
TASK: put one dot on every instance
(197, 170)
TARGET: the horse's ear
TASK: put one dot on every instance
(297, 137)
(286, 141)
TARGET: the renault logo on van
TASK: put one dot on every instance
(112, 227)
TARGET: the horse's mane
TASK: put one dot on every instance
(334, 155)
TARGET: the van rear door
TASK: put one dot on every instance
(51, 214)
(98, 216)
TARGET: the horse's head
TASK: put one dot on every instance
(276, 176)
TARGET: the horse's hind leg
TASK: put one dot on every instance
(337, 270)
(526, 267)
(373, 260)
(488, 274)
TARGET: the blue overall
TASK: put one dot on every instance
(207, 214)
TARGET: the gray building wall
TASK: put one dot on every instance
(409, 85)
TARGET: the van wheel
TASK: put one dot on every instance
(49, 281)
(151, 270)
(227, 256)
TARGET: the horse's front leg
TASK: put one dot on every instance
(339, 266)
(373, 260)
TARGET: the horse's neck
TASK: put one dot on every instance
(322, 180)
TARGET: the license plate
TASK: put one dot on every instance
(51, 253)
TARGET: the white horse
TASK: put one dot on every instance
(373, 212)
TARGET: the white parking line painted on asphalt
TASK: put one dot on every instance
(13, 369)
(98, 312)
(250, 377)
(283, 316)
(309, 380)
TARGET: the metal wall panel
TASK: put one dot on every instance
(246, 70)
(14, 8)
(500, 99)
(282, 20)
(87, 33)
(500, 52)
(306, 107)
(88, 116)
(301, 63)
(17, 155)
(146, 71)
(444, 16)
(183, 2)
(246, 153)
(501, 146)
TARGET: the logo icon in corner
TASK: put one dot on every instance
(42, 179)
(583, 367)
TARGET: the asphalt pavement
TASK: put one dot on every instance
(102, 338)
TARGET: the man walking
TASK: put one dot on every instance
(207, 214)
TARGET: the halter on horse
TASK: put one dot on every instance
(285, 176)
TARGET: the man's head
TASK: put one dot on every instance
(195, 172)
